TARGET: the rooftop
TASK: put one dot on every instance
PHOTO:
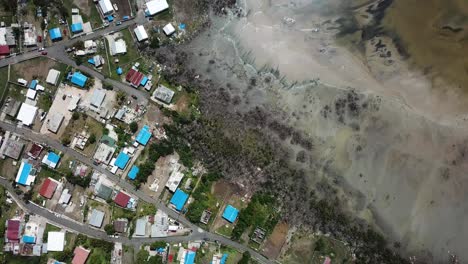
(122, 199)
(178, 199)
(54, 121)
(55, 34)
(24, 174)
(133, 172)
(27, 114)
(230, 213)
(48, 188)
(55, 241)
(79, 79)
(81, 255)
(155, 6)
(13, 148)
(51, 160)
(163, 94)
(96, 218)
(144, 135)
(122, 160)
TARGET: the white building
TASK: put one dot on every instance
(31, 94)
(30, 37)
(27, 114)
(155, 6)
(118, 47)
(55, 241)
(106, 7)
(73, 104)
(98, 98)
(54, 121)
(140, 33)
(168, 29)
(52, 77)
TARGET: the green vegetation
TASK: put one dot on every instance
(47, 172)
(118, 212)
(83, 122)
(245, 258)
(145, 209)
(123, 136)
(144, 257)
(155, 150)
(78, 180)
(101, 250)
(134, 127)
(45, 101)
(109, 228)
(125, 60)
(158, 244)
(3, 83)
(204, 200)
(260, 212)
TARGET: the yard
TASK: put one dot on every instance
(88, 11)
(83, 122)
(125, 60)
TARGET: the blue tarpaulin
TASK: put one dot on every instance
(24, 174)
(181, 26)
(224, 258)
(144, 81)
(144, 136)
(79, 79)
(133, 172)
(190, 257)
(230, 213)
(76, 28)
(110, 18)
(91, 61)
(119, 71)
(122, 160)
(52, 157)
(29, 239)
(126, 18)
(178, 199)
(33, 84)
(55, 34)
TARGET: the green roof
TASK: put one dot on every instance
(104, 192)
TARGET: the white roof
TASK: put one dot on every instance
(30, 37)
(118, 47)
(30, 178)
(155, 6)
(31, 94)
(40, 87)
(89, 44)
(106, 6)
(2, 36)
(73, 103)
(140, 33)
(26, 114)
(168, 29)
(98, 97)
(54, 121)
(52, 77)
(140, 229)
(55, 241)
(174, 180)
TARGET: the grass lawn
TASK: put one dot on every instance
(225, 230)
(98, 256)
(91, 125)
(144, 209)
(125, 60)
(48, 172)
(3, 82)
(118, 212)
(15, 92)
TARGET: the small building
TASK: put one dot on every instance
(51, 160)
(144, 136)
(33, 84)
(31, 94)
(205, 217)
(65, 197)
(54, 121)
(118, 47)
(22, 81)
(79, 79)
(4, 50)
(103, 191)
(179, 199)
(80, 255)
(96, 219)
(13, 230)
(169, 29)
(140, 33)
(76, 28)
(12, 108)
(120, 225)
(27, 114)
(30, 37)
(163, 94)
(13, 148)
(55, 34)
(122, 199)
(98, 98)
(55, 241)
(75, 11)
(48, 188)
(120, 114)
(106, 7)
(140, 228)
(52, 77)
(104, 153)
(122, 160)
(230, 213)
(133, 172)
(155, 6)
(73, 104)
(174, 180)
(35, 151)
(25, 176)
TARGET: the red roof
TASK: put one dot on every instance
(122, 199)
(327, 261)
(81, 255)
(13, 230)
(136, 78)
(130, 74)
(4, 50)
(35, 151)
(48, 188)
(170, 258)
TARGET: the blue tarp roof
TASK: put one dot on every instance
(230, 213)
(122, 160)
(133, 172)
(33, 84)
(77, 27)
(190, 257)
(119, 71)
(110, 18)
(24, 173)
(55, 34)
(52, 157)
(144, 136)
(29, 239)
(144, 81)
(91, 61)
(79, 79)
(224, 258)
(178, 199)
(126, 17)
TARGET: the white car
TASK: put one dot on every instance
(116, 8)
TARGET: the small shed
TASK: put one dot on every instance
(76, 28)
(55, 34)
(133, 172)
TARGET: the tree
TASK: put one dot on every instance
(92, 139)
(158, 244)
(105, 131)
(245, 258)
(133, 127)
(109, 228)
(66, 141)
(154, 42)
(120, 96)
(78, 60)
(75, 115)
(108, 86)
(142, 256)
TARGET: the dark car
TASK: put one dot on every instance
(134, 97)
(44, 52)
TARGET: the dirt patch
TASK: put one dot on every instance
(35, 67)
(275, 242)
(124, 8)
(85, 6)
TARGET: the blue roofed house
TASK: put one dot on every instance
(79, 79)
(144, 136)
(122, 160)
(133, 172)
(76, 28)
(29, 239)
(51, 160)
(55, 34)
(190, 257)
(119, 71)
(230, 213)
(33, 84)
(224, 258)
(179, 199)
(24, 176)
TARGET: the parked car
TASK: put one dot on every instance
(41, 49)
(134, 97)
(44, 52)
(118, 23)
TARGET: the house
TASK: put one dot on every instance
(96, 218)
(120, 225)
(169, 29)
(65, 197)
(118, 47)
(97, 61)
(51, 160)
(230, 213)
(140, 33)
(104, 153)
(122, 199)
(13, 230)
(25, 176)
(144, 135)
(190, 257)
(52, 77)
(106, 7)
(179, 199)
(48, 188)
(54, 121)
(30, 37)
(31, 94)
(4, 50)
(55, 34)
(27, 114)
(35, 151)
(103, 191)
(33, 84)
(133, 172)
(76, 28)
(140, 229)
(163, 94)
(174, 179)
(155, 6)
(79, 79)
(134, 77)
(12, 108)
(122, 160)
(80, 255)
(13, 148)
(55, 241)
(98, 98)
